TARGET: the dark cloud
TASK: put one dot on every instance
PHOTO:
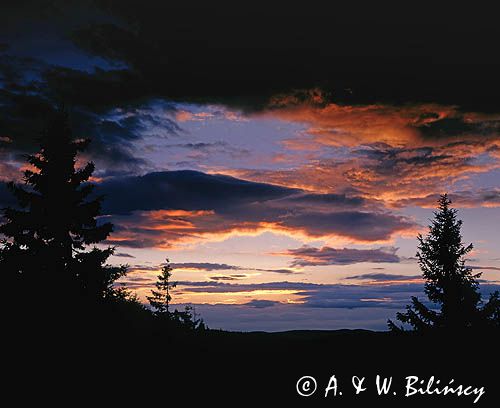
(358, 225)
(390, 295)
(227, 277)
(142, 267)
(260, 304)
(490, 268)
(241, 56)
(25, 114)
(123, 255)
(215, 287)
(169, 206)
(202, 145)
(388, 158)
(310, 256)
(112, 141)
(152, 240)
(207, 266)
(28, 101)
(457, 126)
(185, 190)
(203, 150)
(282, 271)
(23, 117)
(383, 277)
(363, 296)
(98, 90)
(384, 57)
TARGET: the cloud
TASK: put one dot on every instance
(391, 294)
(207, 266)
(402, 146)
(204, 266)
(203, 286)
(184, 190)
(458, 125)
(169, 207)
(282, 271)
(386, 153)
(394, 176)
(199, 152)
(243, 67)
(482, 197)
(28, 102)
(123, 255)
(411, 125)
(143, 268)
(310, 256)
(95, 91)
(491, 268)
(384, 277)
(326, 200)
(227, 277)
(320, 306)
(261, 304)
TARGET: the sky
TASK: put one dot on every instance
(283, 158)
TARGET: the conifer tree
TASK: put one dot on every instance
(160, 303)
(55, 220)
(450, 284)
(160, 298)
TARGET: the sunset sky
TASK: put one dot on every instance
(283, 159)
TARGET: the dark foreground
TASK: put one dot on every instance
(215, 368)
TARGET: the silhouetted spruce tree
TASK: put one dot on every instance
(160, 298)
(47, 234)
(160, 303)
(449, 283)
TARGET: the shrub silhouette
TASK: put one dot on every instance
(450, 284)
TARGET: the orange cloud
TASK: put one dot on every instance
(344, 125)
(389, 174)
(386, 153)
(165, 228)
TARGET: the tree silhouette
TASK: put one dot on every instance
(160, 303)
(450, 284)
(160, 299)
(48, 233)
